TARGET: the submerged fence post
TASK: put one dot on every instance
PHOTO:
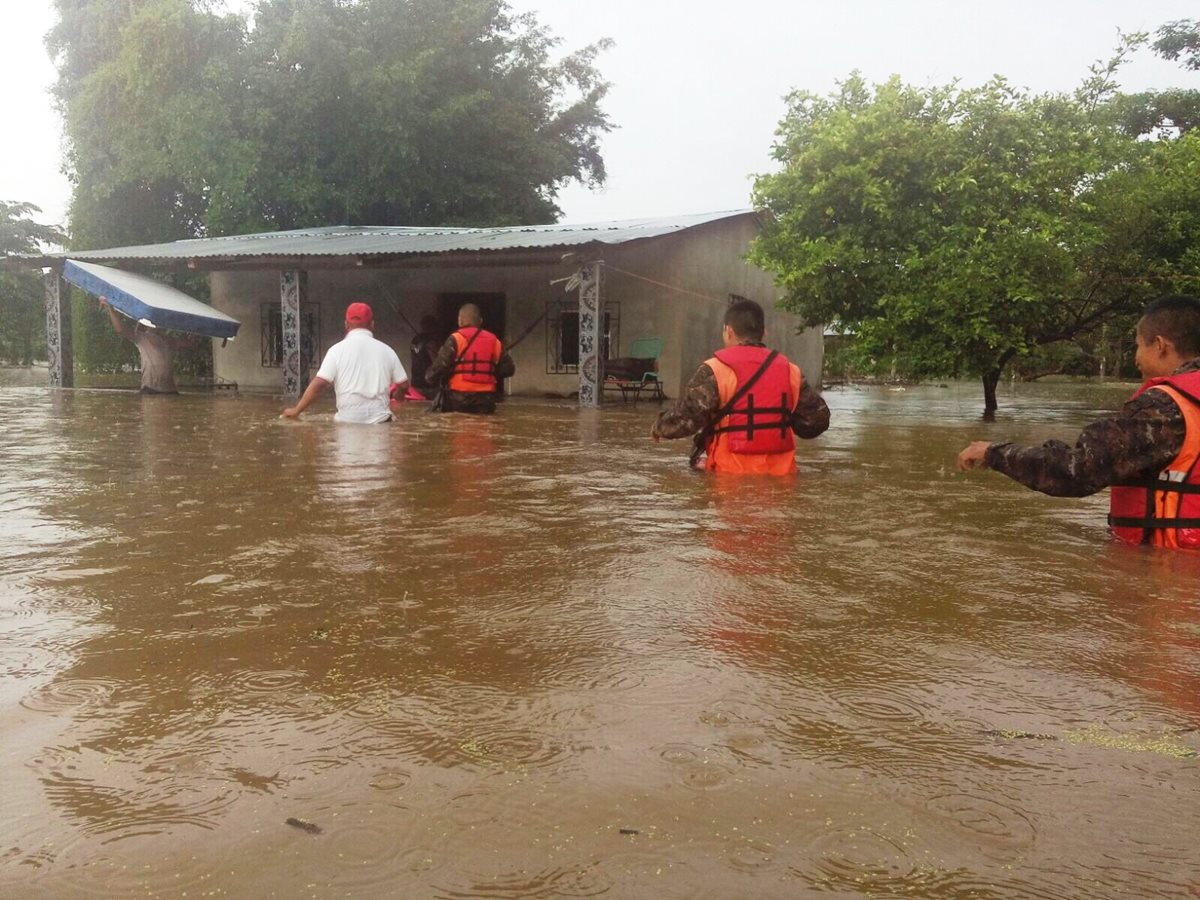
(591, 335)
(58, 331)
(293, 292)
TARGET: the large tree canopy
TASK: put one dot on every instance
(182, 120)
(954, 228)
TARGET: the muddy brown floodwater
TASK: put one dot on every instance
(534, 656)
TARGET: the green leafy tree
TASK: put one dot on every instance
(1180, 40)
(1175, 109)
(22, 315)
(1160, 113)
(953, 229)
(143, 87)
(182, 121)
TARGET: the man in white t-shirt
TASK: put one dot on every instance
(361, 370)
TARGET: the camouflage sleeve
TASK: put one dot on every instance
(811, 416)
(1138, 442)
(695, 409)
(440, 368)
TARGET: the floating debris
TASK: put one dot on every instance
(257, 782)
(475, 748)
(219, 578)
(1012, 735)
(1095, 736)
(630, 831)
(1163, 744)
(310, 827)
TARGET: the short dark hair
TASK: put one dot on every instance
(745, 317)
(1176, 318)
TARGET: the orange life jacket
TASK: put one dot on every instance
(756, 436)
(475, 370)
(1165, 511)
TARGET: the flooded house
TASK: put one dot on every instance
(565, 299)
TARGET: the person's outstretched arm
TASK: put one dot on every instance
(310, 394)
(1139, 442)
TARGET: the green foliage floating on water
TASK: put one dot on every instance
(1163, 744)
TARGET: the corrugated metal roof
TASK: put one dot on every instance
(361, 241)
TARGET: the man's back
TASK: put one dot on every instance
(362, 369)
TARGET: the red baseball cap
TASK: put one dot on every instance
(359, 314)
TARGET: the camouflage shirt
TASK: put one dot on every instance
(698, 407)
(1138, 442)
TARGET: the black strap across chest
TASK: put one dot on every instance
(779, 414)
(472, 368)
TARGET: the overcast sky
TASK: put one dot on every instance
(698, 85)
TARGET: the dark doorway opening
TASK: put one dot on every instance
(492, 305)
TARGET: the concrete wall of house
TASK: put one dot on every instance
(675, 287)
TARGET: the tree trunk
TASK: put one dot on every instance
(990, 379)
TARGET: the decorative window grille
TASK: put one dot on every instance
(271, 329)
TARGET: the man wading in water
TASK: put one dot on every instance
(156, 349)
(361, 369)
(1147, 452)
(745, 403)
(471, 364)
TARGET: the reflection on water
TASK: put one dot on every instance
(534, 656)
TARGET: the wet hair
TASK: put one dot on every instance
(470, 312)
(745, 317)
(1176, 318)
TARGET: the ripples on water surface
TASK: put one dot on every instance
(533, 656)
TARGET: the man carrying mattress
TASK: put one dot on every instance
(156, 349)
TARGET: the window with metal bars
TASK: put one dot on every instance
(562, 335)
(271, 329)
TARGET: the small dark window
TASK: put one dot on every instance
(271, 321)
(562, 336)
